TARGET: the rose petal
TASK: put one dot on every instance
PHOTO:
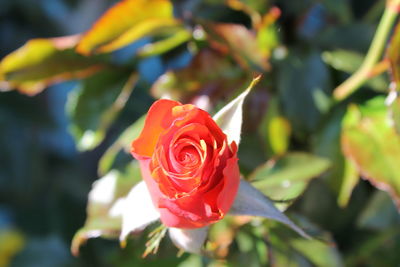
(190, 240)
(159, 118)
(250, 201)
(139, 211)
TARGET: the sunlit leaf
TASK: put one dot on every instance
(249, 201)
(126, 22)
(11, 242)
(42, 62)
(197, 79)
(105, 206)
(350, 180)
(395, 111)
(287, 177)
(230, 117)
(122, 143)
(95, 104)
(393, 54)
(275, 129)
(239, 42)
(160, 47)
(371, 142)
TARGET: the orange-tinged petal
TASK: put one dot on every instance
(159, 118)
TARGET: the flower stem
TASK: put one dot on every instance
(374, 53)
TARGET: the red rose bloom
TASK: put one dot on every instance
(187, 164)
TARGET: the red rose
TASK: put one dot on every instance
(188, 165)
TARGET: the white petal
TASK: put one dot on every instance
(139, 210)
(250, 201)
(230, 118)
(190, 240)
(103, 190)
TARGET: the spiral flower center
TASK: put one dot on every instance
(187, 153)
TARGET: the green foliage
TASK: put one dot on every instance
(320, 133)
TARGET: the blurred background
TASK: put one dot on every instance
(49, 159)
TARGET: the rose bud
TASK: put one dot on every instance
(190, 169)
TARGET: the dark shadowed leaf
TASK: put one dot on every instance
(379, 213)
(303, 76)
(104, 210)
(342, 176)
(126, 22)
(287, 177)
(94, 105)
(41, 62)
(370, 141)
(349, 61)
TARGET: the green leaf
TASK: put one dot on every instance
(275, 129)
(350, 61)
(229, 118)
(379, 213)
(343, 60)
(370, 141)
(395, 111)
(302, 76)
(160, 47)
(251, 202)
(350, 180)
(342, 176)
(393, 55)
(95, 104)
(104, 210)
(287, 177)
(42, 62)
(122, 143)
(289, 250)
(126, 22)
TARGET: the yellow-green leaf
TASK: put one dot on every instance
(126, 22)
(393, 54)
(287, 177)
(370, 141)
(41, 62)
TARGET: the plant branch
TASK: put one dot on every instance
(374, 53)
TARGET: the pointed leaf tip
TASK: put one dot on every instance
(230, 117)
(250, 201)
